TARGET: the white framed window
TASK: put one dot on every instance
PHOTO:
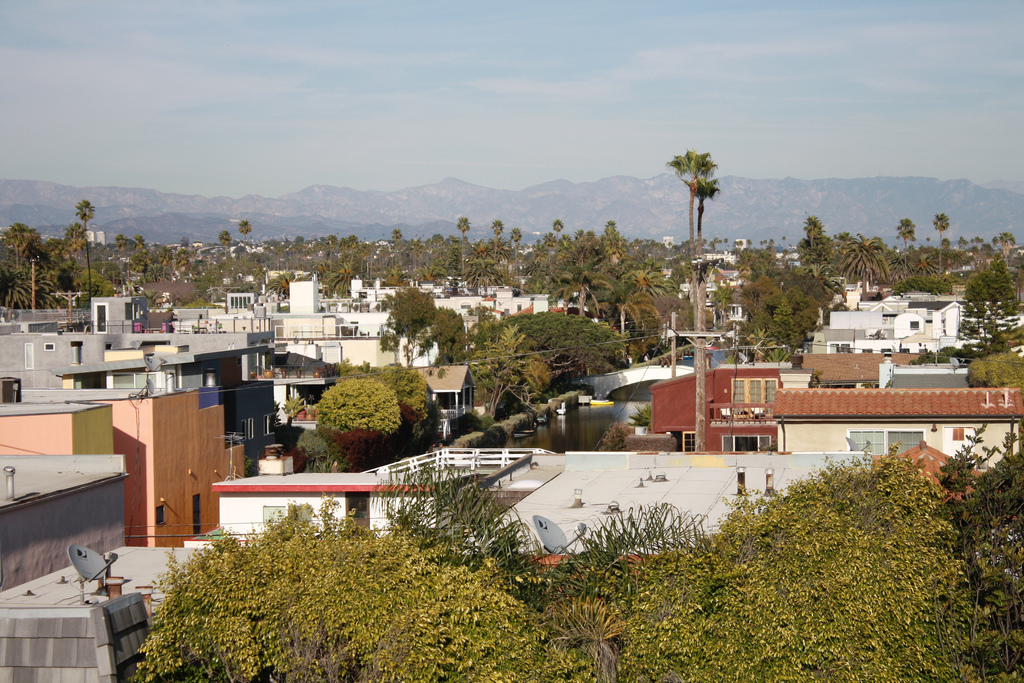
(747, 442)
(248, 428)
(49, 346)
(268, 424)
(30, 356)
(880, 441)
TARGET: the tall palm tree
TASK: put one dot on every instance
(74, 238)
(339, 280)
(905, 230)
(864, 259)
(707, 188)
(517, 237)
(224, 238)
(244, 227)
(1006, 242)
(23, 240)
(941, 224)
(558, 226)
(690, 168)
(85, 212)
(463, 226)
(580, 281)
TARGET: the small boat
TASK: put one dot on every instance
(523, 433)
(603, 402)
(542, 419)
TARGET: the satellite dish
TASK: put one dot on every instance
(853, 444)
(551, 536)
(136, 343)
(955, 362)
(90, 564)
(152, 362)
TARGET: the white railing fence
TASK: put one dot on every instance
(461, 458)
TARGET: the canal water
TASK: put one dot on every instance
(580, 429)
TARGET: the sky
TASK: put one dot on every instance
(234, 98)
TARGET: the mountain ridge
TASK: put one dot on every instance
(642, 208)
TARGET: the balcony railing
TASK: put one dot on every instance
(742, 412)
(453, 413)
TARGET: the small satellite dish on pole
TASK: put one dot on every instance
(853, 445)
(153, 363)
(552, 537)
(89, 564)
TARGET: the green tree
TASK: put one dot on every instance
(409, 386)
(411, 314)
(224, 238)
(315, 598)
(448, 332)
(244, 227)
(23, 241)
(569, 345)
(816, 246)
(360, 404)
(1004, 369)
(990, 309)
(837, 579)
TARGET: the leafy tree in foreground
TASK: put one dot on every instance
(321, 600)
(837, 579)
(360, 404)
(571, 346)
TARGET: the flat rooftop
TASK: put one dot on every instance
(39, 476)
(138, 566)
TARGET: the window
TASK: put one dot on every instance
(30, 356)
(754, 390)
(159, 514)
(747, 442)
(268, 424)
(196, 514)
(101, 317)
(915, 324)
(50, 346)
(689, 442)
(248, 426)
(880, 441)
(958, 434)
(129, 311)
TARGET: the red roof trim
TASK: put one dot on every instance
(284, 487)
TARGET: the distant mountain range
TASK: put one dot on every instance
(651, 208)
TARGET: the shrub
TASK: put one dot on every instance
(360, 404)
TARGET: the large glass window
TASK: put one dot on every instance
(881, 441)
(903, 441)
(869, 440)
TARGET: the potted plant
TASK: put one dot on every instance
(641, 419)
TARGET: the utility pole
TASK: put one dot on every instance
(33, 284)
(700, 356)
(70, 296)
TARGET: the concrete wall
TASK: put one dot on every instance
(36, 533)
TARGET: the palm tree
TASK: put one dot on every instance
(941, 224)
(244, 227)
(86, 212)
(1006, 241)
(517, 237)
(23, 240)
(557, 226)
(281, 283)
(578, 282)
(707, 188)
(865, 260)
(905, 230)
(463, 226)
(339, 280)
(182, 260)
(690, 168)
(589, 625)
(74, 237)
(224, 238)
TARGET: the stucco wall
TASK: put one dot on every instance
(83, 432)
(36, 534)
(831, 436)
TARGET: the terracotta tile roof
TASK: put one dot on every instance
(930, 460)
(849, 367)
(897, 402)
(526, 311)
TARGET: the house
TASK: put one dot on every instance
(175, 447)
(880, 420)
(452, 388)
(740, 401)
(916, 323)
